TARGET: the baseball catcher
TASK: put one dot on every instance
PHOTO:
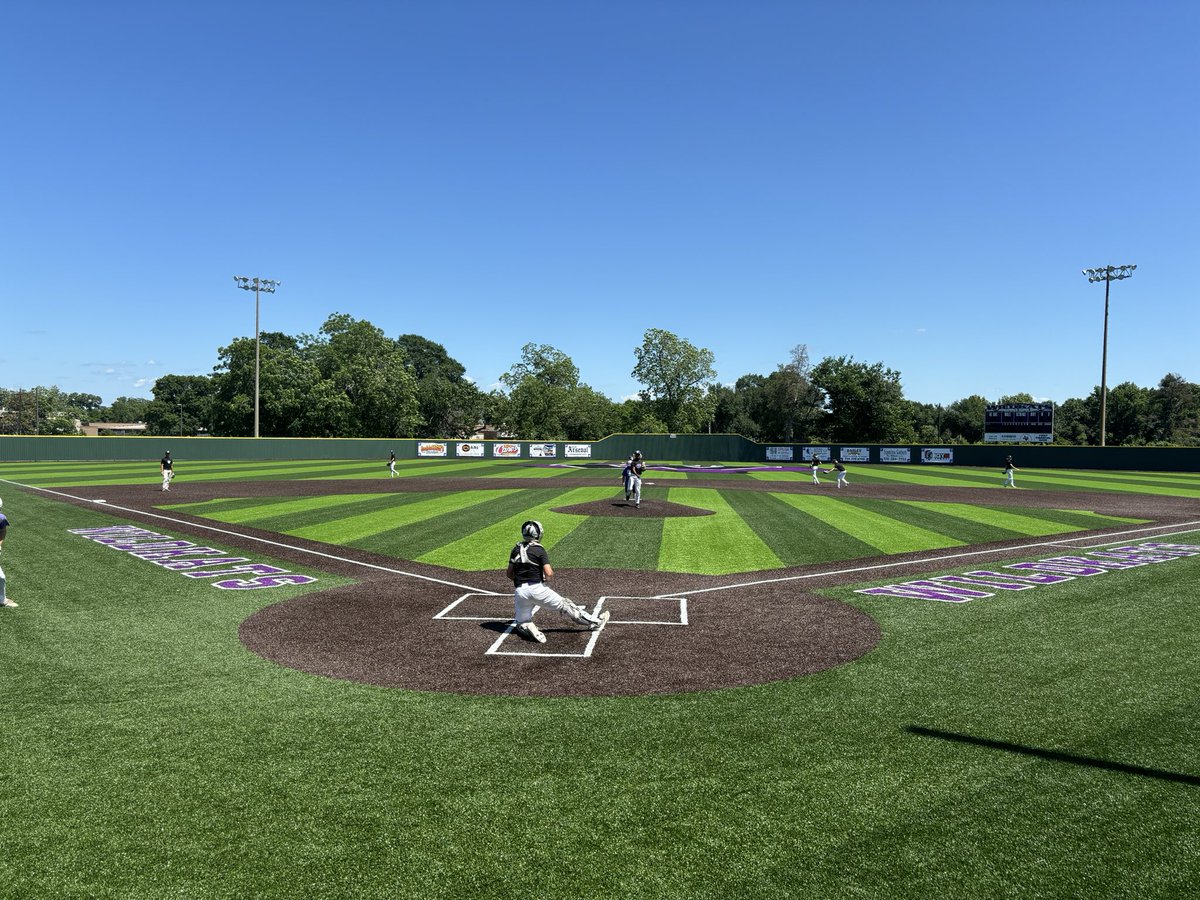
(529, 568)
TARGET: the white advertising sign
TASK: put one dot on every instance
(856, 454)
(578, 451)
(822, 453)
(895, 454)
(543, 450)
(779, 454)
(430, 449)
(937, 455)
(507, 451)
(470, 449)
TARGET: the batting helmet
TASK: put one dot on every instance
(532, 530)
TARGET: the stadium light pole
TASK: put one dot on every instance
(1107, 274)
(256, 284)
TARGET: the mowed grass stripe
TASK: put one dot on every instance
(1027, 523)
(711, 545)
(268, 510)
(884, 533)
(415, 539)
(286, 522)
(487, 548)
(354, 528)
(604, 542)
(932, 517)
(796, 537)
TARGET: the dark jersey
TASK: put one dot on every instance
(527, 560)
(3, 526)
(166, 464)
(837, 464)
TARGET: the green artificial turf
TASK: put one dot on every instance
(1034, 744)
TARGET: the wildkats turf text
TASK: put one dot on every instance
(190, 559)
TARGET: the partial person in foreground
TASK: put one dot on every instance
(1009, 470)
(529, 568)
(5, 600)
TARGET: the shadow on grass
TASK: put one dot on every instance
(1054, 755)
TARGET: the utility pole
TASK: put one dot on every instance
(1107, 274)
(268, 286)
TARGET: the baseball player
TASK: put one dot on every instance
(840, 468)
(168, 470)
(1009, 470)
(5, 600)
(392, 464)
(529, 568)
(816, 467)
(632, 475)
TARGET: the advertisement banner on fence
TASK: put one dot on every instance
(470, 449)
(895, 454)
(937, 455)
(855, 454)
(779, 454)
(821, 453)
(430, 449)
(543, 450)
(578, 451)
(507, 451)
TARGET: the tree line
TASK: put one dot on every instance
(352, 380)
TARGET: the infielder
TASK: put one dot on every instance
(1009, 470)
(4, 598)
(168, 470)
(529, 568)
(840, 468)
(816, 467)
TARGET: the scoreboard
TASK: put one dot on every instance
(1018, 423)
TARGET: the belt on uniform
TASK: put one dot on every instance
(523, 583)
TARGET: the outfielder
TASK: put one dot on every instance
(529, 568)
(392, 464)
(168, 470)
(4, 598)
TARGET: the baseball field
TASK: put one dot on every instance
(300, 679)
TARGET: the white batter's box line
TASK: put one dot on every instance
(682, 620)
(495, 650)
(445, 613)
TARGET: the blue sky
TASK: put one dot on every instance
(917, 184)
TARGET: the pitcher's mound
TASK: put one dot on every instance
(619, 506)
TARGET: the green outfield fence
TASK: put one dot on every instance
(729, 448)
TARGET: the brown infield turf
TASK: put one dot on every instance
(741, 629)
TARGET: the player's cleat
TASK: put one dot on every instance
(531, 631)
(9, 602)
(601, 621)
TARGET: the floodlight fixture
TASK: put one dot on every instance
(258, 285)
(1107, 274)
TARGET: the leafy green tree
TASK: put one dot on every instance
(676, 375)
(964, 418)
(127, 409)
(1073, 423)
(1129, 415)
(546, 400)
(450, 404)
(865, 402)
(371, 372)
(1175, 411)
(182, 405)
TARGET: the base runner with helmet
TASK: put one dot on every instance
(529, 568)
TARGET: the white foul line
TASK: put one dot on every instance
(1178, 528)
(250, 537)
